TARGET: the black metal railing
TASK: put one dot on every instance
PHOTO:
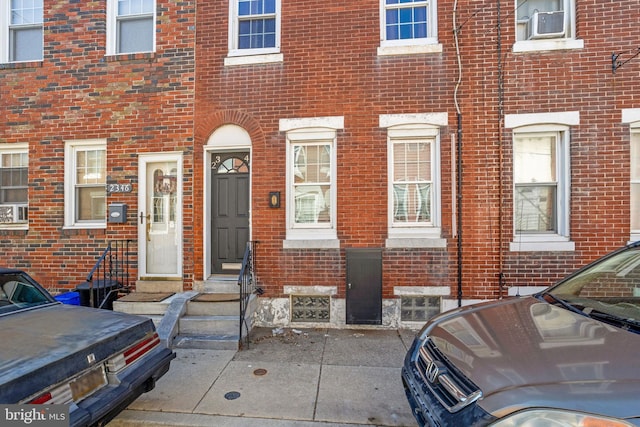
(108, 277)
(246, 281)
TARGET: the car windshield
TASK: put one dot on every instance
(16, 292)
(608, 290)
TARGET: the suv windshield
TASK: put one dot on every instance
(608, 290)
(16, 292)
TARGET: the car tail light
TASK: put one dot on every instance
(57, 396)
(133, 353)
(42, 399)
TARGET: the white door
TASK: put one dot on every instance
(160, 216)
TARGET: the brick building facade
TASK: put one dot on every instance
(390, 159)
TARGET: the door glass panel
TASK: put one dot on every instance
(161, 228)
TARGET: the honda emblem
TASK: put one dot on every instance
(432, 372)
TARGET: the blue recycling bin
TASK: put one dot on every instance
(71, 298)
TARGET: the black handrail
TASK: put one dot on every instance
(108, 277)
(246, 281)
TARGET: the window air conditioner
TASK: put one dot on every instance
(546, 25)
(13, 213)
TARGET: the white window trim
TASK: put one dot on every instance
(70, 150)
(400, 126)
(5, 23)
(544, 45)
(565, 43)
(11, 149)
(411, 46)
(548, 122)
(238, 56)
(112, 29)
(631, 116)
(231, 61)
(312, 129)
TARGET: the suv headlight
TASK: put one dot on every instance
(557, 418)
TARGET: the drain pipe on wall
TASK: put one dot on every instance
(500, 157)
(459, 151)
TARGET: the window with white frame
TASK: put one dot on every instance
(412, 182)
(311, 178)
(85, 180)
(14, 197)
(130, 26)
(631, 117)
(254, 27)
(413, 153)
(536, 182)
(406, 24)
(21, 24)
(545, 25)
(541, 180)
(311, 186)
(635, 183)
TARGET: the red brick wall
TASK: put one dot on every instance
(145, 104)
(331, 68)
(138, 103)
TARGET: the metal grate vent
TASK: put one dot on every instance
(310, 308)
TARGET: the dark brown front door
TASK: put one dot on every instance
(230, 211)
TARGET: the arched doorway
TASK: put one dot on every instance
(230, 211)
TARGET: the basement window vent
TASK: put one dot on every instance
(419, 308)
(310, 308)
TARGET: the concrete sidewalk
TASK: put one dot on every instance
(290, 377)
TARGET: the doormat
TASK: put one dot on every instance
(216, 297)
(146, 296)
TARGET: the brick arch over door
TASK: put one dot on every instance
(211, 122)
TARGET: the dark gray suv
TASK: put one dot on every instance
(568, 356)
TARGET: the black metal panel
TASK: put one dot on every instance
(364, 286)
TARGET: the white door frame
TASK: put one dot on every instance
(143, 161)
(226, 138)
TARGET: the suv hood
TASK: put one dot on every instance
(525, 352)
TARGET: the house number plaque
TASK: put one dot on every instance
(119, 188)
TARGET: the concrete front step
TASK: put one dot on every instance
(228, 304)
(142, 308)
(207, 342)
(224, 284)
(204, 325)
(220, 308)
(159, 286)
(190, 320)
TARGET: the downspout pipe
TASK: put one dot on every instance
(459, 207)
(459, 152)
(500, 157)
